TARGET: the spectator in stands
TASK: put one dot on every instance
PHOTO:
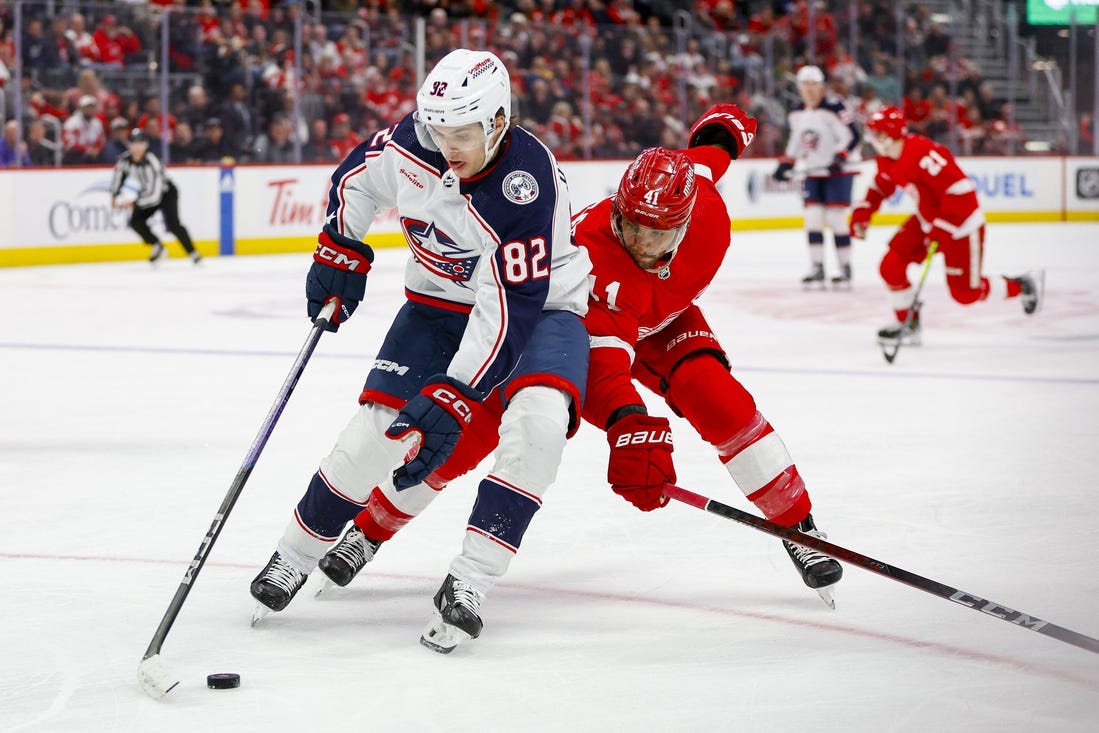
(197, 110)
(67, 55)
(275, 146)
(87, 83)
(987, 102)
(319, 149)
(152, 135)
(214, 147)
(13, 151)
(119, 141)
(39, 49)
(39, 151)
(115, 42)
(884, 81)
(182, 147)
(343, 139)
(237, 119)
(917, 109)
(86, 48)
(936, 42)
(166, 124)
(82, 135)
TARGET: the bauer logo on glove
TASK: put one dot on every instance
(642, 437)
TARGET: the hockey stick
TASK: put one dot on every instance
(914, 309)
(962, 598)
(152, 673)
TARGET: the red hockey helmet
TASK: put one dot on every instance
(653, 206)
(888, 121)
(884, 128)
(725, 125)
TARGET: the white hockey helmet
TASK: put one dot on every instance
(466, 87)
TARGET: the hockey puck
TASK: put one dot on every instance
(223, 681)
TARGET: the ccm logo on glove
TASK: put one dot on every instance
(644, 436)
(338, 257)
(454, 402)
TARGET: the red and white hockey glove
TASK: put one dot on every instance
(439, 414)
(726, 126)
(641, 460)
(339, 269)
(860, 219)
(940, 235)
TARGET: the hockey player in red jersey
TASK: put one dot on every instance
(655, 246)
(948, 212)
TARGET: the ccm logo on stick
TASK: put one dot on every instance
(644, 436)
(337, 258)
(458, 406)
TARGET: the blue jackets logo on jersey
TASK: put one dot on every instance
(423, 239)
(520, 187)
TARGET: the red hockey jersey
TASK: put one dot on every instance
(945, 197)
(628, 303)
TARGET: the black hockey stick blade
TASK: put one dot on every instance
(962, 598)
(152, 673)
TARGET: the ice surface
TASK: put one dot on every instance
(130, 396)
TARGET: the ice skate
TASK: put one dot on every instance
(275, 586)
(817, 570)
(842, 281)
(898, 333)
(455, 618)
(350, 555)
(1032, 285)
(196, 258)
(815, 277)
(157, 254)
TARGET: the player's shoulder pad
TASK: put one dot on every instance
(523, 188)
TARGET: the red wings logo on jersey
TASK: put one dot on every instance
(437, 252)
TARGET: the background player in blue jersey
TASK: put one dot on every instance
(496, 292)
(823, 146)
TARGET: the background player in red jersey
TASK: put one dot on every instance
(655, 246)
(948, 212)
(644, 325)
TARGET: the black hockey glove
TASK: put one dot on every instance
(439, 413)
(836, 166)
(784, 171)
(338, 271)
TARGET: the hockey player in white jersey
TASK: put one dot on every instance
(496, 292)
(823, 147)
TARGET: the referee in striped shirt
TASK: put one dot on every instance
(155, 192)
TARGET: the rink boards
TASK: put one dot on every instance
(55, 216)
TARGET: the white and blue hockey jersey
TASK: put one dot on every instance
(497, 245)
(817, 135)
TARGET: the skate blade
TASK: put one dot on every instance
(828, 595)
(326, 587)
(261, 611)
(441, 637)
